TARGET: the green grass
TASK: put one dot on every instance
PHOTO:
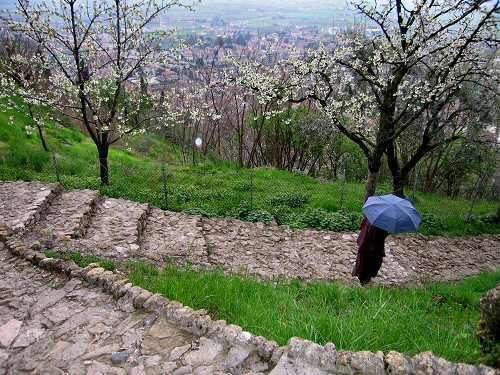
(82, 260)
(441, 317)
(213, 187)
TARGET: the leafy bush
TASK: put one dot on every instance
(431, 224)
(241, 212)
(334, 221)
(293, 200)
(261, 216)
(244, 212)
(485, 219)
(282, 214)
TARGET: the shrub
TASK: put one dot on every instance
(244, 212)
(262, 216)
(282, 214)
(334, 221)
(431, 224)
(241, 212)
(292, 200)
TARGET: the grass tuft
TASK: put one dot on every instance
(82, 260)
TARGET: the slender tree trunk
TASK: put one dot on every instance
(40, 131)
(103, 163)
(42, 139)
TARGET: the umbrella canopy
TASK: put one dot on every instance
(392, 213)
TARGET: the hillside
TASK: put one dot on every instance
(209, 187)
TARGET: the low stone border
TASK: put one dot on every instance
(298, 357)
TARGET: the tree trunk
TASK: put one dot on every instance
(371, 184)
(103, 163)
(40, 131)
(398, 184)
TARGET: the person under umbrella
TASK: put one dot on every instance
(383, 215)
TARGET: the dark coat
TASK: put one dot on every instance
(370, 251)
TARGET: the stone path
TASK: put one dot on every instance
(56, 318)
(53, 325)
(69, 214)
(121, 230)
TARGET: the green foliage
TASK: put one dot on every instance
(431, 224)
(196, 211)
(491, 357)
(292, 200)
(321, 219)
(245, 212)
(282, 214)
(261, 216)
(439, 317)
(82, 260)
(211, 187)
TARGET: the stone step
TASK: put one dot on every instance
(116, 228)
(171, 236)
(22, 204)
(70, 214)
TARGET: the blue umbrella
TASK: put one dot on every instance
(392, 213)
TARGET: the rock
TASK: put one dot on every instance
(28, 337)
(169, 367)
(151, 361)
(9, 331)
(98, 368)
(183, 370)
(138, 370)
(490, 314)
(101, 351)
(118, 358)
(206, 353)
(397, 363)
(176, 353)
(289, 366)
(162, 329)
(236, 356)
(368, 363)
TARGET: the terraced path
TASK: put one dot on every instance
(82, 221)
(91, 322)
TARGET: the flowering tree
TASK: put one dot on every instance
(98, 59)
(409, 73)
(18, 58)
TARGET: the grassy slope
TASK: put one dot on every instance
(215, 187)
(441, 318)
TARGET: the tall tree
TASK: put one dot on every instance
(99, 56)
(19, 58)
(411, 71)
